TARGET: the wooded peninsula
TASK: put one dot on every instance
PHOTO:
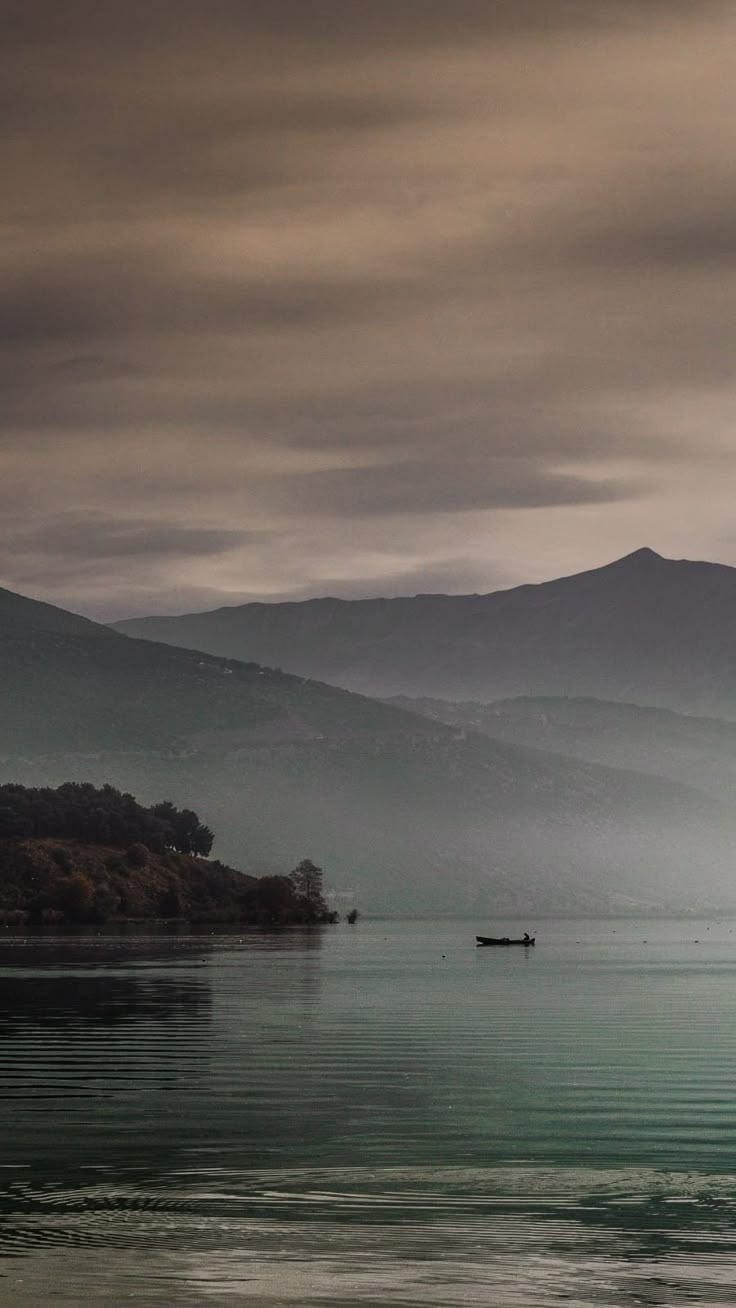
(79, 854)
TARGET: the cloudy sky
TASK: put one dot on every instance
(307, 297)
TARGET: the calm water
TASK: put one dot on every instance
(370, 1115)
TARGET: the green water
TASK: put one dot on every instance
(372, 1115)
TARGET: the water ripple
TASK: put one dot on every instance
(370, 1117)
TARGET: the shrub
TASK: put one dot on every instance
(137, 855)
(170, 903)
(62, 858)
(75, 896)
(105, 902)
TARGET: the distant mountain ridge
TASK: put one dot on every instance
(406, 813)
(694, 751)
(643, 629)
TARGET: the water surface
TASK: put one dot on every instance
(371, 1115)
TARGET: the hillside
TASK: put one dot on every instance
(406, 813)
(644, 629)
(79, 854)
(66, 683)
(699, 752)
(53, 880)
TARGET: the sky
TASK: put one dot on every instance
(309, 297)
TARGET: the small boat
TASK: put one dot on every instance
(504, 940)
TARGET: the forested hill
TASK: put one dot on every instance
(80, 854)
(644, 629)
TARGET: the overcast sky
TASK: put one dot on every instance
(355, 297)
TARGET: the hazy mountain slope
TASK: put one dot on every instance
(410, 813)
(93, 689)
(415, 826)
(20, 612)
(699, 752)
(644, 629)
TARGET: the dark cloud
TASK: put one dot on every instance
(670, 239)
(85, 554)
(122, 295)
(456, 272)
(93, 367)
(418, 486)
(111, 539)
(71, 543)
(324, 23)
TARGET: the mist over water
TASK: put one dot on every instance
(373, 1115)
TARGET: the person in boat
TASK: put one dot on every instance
(527, 938)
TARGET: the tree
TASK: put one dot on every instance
(186, 834)
(271, 901)
(14, 825)
(307, 882)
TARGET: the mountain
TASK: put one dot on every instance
(402, 812)
(643, 629)
(67, 683)
(699, 752)
(19, 613)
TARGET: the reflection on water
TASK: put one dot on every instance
(371, 1116)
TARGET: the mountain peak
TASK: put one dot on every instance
(642, 555)
(643, 560)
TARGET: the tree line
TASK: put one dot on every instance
(77, 810)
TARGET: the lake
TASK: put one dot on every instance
(379, 1114)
